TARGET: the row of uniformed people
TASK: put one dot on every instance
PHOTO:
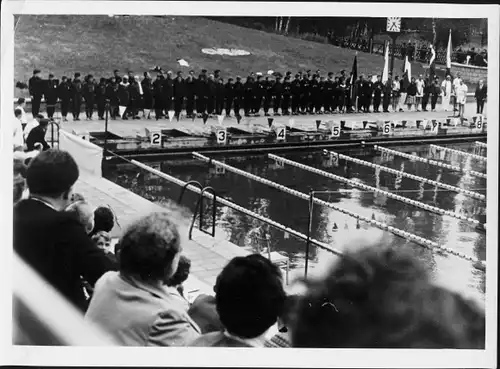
(302, 94)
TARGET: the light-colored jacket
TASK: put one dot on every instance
(136, 313)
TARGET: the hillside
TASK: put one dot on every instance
(99, 44)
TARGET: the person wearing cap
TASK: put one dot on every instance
(258, 94)
(32, 124)
(220, 96)
(116, 74)
(211, 93)
(446, 89)
(305, 100)
(239, 91)
(277, 94)
(216, 74)
(229, 96)
(328, 93)
(35, 88)
(37, 135)
(268, 95)
(435, 91)
(147, 97)
(287, 96)
(367, 94)
(480, 95)
(135, 95)
(179, 94)
(248, 95)
(64, 95)
(296, 90)
(112, 95)
(190, 87)
(76, 96)
(50, 94)
(158, 102)
(100, 95)
(378, 87)
(201, 94)
(168, 93)
(316, 95)
(89, 89)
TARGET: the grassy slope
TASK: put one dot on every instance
(99, 44)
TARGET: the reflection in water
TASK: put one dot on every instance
(329, 225)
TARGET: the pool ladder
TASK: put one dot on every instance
(199, 207)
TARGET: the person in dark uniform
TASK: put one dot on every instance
(336, 95)
(480, 95)
(168, 93)
(124, 96)
(35, 88)
(76, 96)
(367, 94)
(147, 94)
(268, 95)
(135, 97)
(239, 92)
(316, 94)
(116, 74)
(248, 95)
(64, 94)
(277, 94)
(435, 92)
(179, 94)
(112, 96)
(202, 95)
(216, 75)
(51, 95)
(258, 94)
(427, 93)
(190, 84)
(211, 92)
(89, 96)
(359, 94)
(328, 92)
(100, 94)
(322, 82)
(220, 96)
(37, 135)
(378, 87)
(305, 98)
(229, 97)
(343, 91)
(388, 92)
(296, 94)
(158, 98)
(287, 95)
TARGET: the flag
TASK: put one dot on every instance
(448, 56)
(354, 77)
(407, 70)
(270, 121)
(385, 73)
(432, 65)
(318, 123)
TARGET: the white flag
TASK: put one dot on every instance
(220, 118)
(385, 73)
(448, 53)
(433, 55)
(291, 123)
(171, 115)
(408, 68)
(121, 110)
(183, 63)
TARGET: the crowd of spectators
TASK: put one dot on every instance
(210, 94)
(372, 297)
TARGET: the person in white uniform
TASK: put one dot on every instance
(18, 139)
(446, 89)
(420, 92)
(461, 98)
(456, 83)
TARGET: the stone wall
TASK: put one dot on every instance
(470, 73)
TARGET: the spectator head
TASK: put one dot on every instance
(77, 75)
(102, 240)
(44, 123)
(52, 174)
(21, 101)
(18, 113)
(84, 213)
(378, 297)
(36, 72)
(150, 248)
(64, 78)
(104, 219)
(249, 296)
(179, 74)
(182, 273)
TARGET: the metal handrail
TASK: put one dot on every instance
(52, 133)
(183, 189)
(199, 208)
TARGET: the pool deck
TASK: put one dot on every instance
(208, 255)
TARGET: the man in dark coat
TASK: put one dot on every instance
(135, 97)
(480, 95)
(76, 96)
(277, 94)
(268, 95)
(158, 101)
(296, 94)
(100, 94)
(238, 96)
(305, 97)
(190, 94)
(51, 95)
(147, 90)
(64, 94)
(387, 89)
(116, 74)
(427, 93)
(248, 95)
(179, 94)
(287, 94)
(367, 94)
(316, 95)
(35, 88)
(201, 95)
(258, 94)
(89, 88)
(50, 240)
(124, 97)
(211, 93)
(328, 93)
(37, 135)
(220, 94)
(378, 87)
(112, 96)
(229, 96)
(168, 93)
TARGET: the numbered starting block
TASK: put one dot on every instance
(155, 136)
(220, 133)
(83, 134)
(335, 129)
(478, 122)
(280, 132)
(387, 128)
